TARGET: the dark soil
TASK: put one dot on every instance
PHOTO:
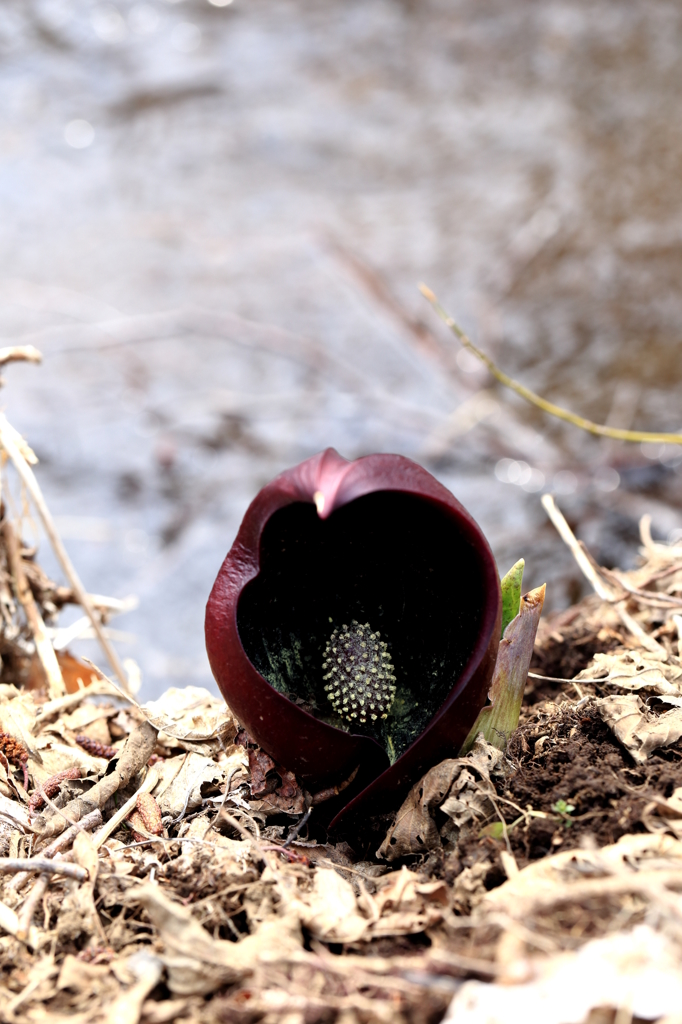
(572, 757)
(566, 644)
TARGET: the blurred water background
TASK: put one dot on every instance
(214, 217)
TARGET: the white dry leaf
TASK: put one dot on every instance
(85, 714)
(77, 913)
(198, 964)
(46, 757)
(14, 813)
(191, 713)
(8, 692)
(81, 976)
(546, 877)
(9, 923)
(5, 787)
(58, 757)
(406, 905)
(146, 971)
(637, 973)
(330, 910)
(466, 804)
(674, 701)
(637, 670)
(234, 762)
(637, 728)
(180, 782)
(661, 815)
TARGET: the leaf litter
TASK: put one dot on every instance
(171, 870)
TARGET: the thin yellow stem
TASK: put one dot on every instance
(616, 433)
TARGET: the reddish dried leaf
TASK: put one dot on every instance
(264, 777)
(290, 788)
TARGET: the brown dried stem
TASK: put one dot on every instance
(20, 354)
(87, 823)
(10, 865)
(600, 430)
(44, 648)
(8, 440)
(588, 567)
(134, 757)
(31, 902)
(123, 812)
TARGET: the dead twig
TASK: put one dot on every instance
(12, 443)
(31, 902)
(134, 757)
(122, 813)
(20, 354)
(44, 648)
(87, 823)
(9, 865)
(9, 922)
(598, 429)
(295, 831)
(587, 566)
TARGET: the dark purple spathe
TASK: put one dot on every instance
(319, 753)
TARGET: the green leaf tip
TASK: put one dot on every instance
(511, 592)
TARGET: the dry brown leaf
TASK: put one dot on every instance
(85, 714)
(637, 670)
(191, 713)
(17, 717)
(38, 985)
(6, 831)
(636, 727)
(234, 762)
(407, 905)
(14, 813)
(638, 973)
(75, 673)
(78, 915)
(134, 756)
(81, 976)
(330, 911)
(275, 803)
(180, 782)
(198, 964)
(58, 757)
(147, 971)
(552, 875)
(48, 752)
(6, 788)
(661, 815)
(415, 830)
(470, 888)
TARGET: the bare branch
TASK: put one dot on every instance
(616, 433)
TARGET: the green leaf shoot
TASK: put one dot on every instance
(510, 584)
